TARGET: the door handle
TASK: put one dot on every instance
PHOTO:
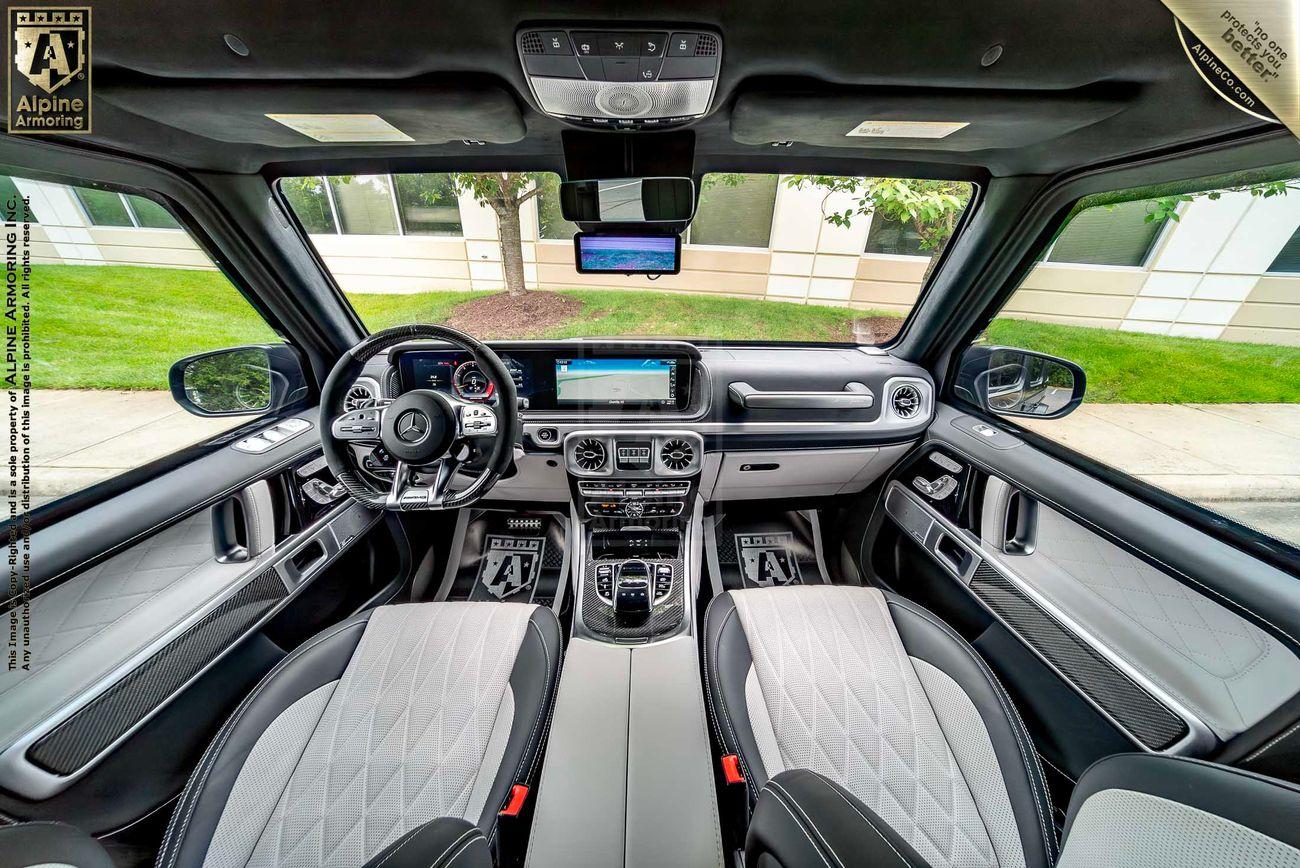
(854, 396)
(1020, 524)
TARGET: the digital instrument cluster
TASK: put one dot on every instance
(558, 380)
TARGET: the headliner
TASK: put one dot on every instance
(1076, 85)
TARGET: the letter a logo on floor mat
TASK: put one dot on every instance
(510, 564)
(767, 559)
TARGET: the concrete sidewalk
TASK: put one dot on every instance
(1239, 459)
(80, 437)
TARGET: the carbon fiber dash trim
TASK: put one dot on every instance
(1132, 707)
(84, 735)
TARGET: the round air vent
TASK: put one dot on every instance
(623, 102)
(589, 454)
(362, 393)
(906, 401)
(677, 454)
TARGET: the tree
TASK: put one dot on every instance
(1164, 208)
(504, 193)
(930, 207)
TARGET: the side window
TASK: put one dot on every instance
(120, 292)
(1184, 312)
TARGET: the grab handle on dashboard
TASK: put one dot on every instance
(855, 396)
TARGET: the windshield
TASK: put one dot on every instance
(816, 258)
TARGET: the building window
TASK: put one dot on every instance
(735, 210)
(365, 204)
(9, 192)
(310, 201)
(1288, 260)
(887, 235)
(149, 214)
(428, 204)
(1108, 235)
(103, 207)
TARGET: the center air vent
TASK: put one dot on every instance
(589, 454)
(362, 394)
(677, 454)
(906, 401)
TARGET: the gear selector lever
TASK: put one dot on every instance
(632, 594)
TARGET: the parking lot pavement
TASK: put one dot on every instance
(80, 437)
(1241, 460)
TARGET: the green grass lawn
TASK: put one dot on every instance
(110, 327)
(1126, 367)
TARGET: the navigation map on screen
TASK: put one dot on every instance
(615, 381)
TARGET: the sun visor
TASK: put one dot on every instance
(296, 115)
(920, 118)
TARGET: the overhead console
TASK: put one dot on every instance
(621, 78)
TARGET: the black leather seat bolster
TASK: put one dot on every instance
(727, 661)
(927, 638)
(318, 661)
(447, 842)
(1269, 806)
(533, 681)
(50, 844)
(804, 819)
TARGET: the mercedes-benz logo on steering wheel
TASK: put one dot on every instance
(412, 426)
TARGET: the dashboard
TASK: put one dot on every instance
(576, 378)
(614, 426)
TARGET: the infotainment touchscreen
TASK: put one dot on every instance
(615, 381)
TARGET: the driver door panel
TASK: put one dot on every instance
(140, 649)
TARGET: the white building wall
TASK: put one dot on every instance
(1206, 277)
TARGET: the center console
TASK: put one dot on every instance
(633, 493)
(628, 755)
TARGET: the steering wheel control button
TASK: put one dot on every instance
(477, 421)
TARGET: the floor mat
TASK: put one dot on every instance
(506, 556)
(758, 549)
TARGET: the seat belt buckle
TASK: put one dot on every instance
(731, 769)
(515, 801)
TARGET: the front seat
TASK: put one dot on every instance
(891, 710)
(396, 737)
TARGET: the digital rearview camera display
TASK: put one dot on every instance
(627, 254)
(615, 381)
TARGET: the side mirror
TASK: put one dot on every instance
(241, 381)
(1012, 382)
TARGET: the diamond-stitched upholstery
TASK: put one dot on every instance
(399, 743)
(844, 701)
(1221, 643)
(1219, 665)
(84, 628)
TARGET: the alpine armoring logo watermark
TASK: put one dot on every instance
(49, 70)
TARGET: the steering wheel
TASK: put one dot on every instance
(428, 432)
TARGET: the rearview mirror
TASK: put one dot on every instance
(628, 200)
(1014, 382)
(242, 381)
